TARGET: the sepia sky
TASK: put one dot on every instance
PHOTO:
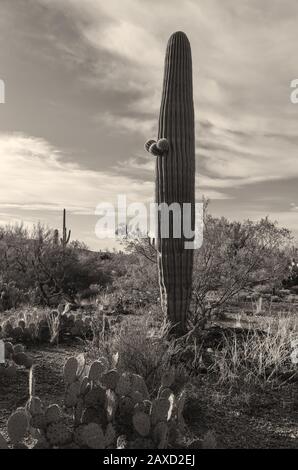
(83, 84)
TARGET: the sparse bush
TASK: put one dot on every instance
(35, 269)
(10, 295)
(233, 257)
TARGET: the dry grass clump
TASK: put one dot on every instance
(260, 356)
(143, 347)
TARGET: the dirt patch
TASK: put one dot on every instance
(49, 381)
(255, 420)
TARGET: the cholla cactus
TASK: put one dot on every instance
(175, 178)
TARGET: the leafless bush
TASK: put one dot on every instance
(43, 272)
(235, 256)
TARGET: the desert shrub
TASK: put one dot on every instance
(234, 257)
(120, 299)
(292, 279)
(116, 302)
(42, 272)
(90, 293)
(140, 280)
(10, 295)
(134, 283)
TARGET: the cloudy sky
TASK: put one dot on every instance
(83, 83)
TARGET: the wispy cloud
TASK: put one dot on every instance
(242, 73)
(35, 176)
(87, 77)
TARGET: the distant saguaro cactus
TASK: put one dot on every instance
(175, 178)
(65, 236)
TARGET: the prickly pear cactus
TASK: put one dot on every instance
(14, 356)
(35, 327)
(29, 328)
(103, 408)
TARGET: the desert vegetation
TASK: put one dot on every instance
(237, 357)
(154, 346)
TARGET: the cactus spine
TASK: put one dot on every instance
(175, 177)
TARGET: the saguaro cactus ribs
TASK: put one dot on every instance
(175, 177)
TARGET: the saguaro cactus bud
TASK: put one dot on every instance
(175, 179)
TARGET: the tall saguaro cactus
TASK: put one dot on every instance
(175, 178)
